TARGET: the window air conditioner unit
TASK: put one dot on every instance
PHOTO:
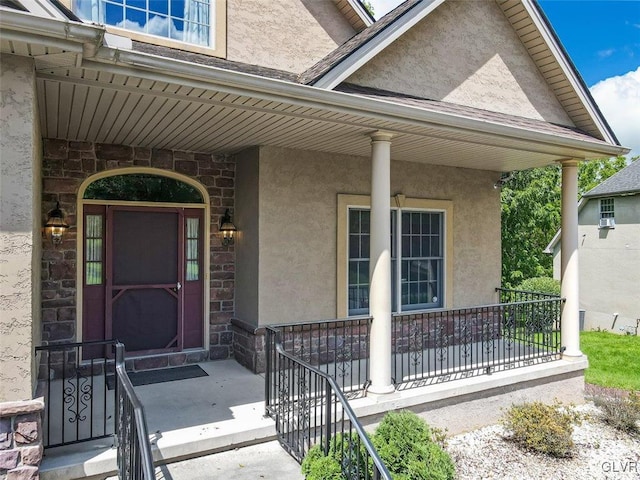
(607, 223)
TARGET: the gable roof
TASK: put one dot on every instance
(624, 182)
(528, 21)
(339, 64)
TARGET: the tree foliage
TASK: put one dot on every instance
(531, 215)
(368, 7)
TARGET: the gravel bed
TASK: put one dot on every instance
(601, 453)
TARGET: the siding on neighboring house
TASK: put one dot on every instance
(609, 265)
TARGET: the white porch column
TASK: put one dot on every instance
(380, 264)
(569, 257)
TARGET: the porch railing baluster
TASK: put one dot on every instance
(322, 415)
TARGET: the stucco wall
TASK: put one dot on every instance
(289, 35)
(609, 262)
(465, 53)
(298, 211)
(20, 156)
(610, 265)
(247, 240)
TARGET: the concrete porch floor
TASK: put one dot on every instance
(189, 418)
(224, 412)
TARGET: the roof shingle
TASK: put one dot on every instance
(626, 181)
(352, 45)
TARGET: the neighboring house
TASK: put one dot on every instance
(609, 252)
(318, 131)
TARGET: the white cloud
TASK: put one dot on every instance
(619, 100)
(606, 53)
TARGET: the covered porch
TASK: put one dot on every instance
(277, 153)
(225, 411)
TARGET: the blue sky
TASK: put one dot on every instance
(602, 38)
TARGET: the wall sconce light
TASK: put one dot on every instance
(504, 178)
(227, 228)
(56, 225)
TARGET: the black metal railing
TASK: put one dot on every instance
(89, 396)
(339, 348)
(506, 295)
(309, 408)
(435, 347)
(135, 461)
(74, 379)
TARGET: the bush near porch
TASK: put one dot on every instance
(613, 359)
(409, 447)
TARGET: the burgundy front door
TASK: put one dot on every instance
(151, 296)
(144, 281)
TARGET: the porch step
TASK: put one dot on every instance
(263, 461)
(189, 418)
(97, 460)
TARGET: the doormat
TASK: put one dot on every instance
(148, 377)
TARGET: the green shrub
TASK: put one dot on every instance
(540, 284)
(408, 447)
(345, 450)
(542, 428)
(621, 413)
(316, 466)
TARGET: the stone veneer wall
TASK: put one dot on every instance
(20, 439)
(66, 165)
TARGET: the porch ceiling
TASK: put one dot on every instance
(117, 102)
(87, 105)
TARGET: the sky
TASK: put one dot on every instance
(602, 38)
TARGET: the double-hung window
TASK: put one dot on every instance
(180, 23)
(607, 208)
(418, 262)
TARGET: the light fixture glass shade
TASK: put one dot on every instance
(56, 225)
(227, 228)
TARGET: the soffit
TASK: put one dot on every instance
(347, 9)
(548, 65)
(85, 104)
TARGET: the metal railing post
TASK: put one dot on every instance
(329, 420)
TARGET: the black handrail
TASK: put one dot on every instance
(510, 295)
(306, 411)
(135, 461)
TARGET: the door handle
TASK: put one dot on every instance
(177, 287)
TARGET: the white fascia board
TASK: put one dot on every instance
(360, 11)
(370, 49)
(169, 70)
(556, 50)
(50, 28)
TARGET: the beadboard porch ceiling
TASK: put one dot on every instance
(88, 105)
(112, 101)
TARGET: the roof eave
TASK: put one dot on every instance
(280, 90)
(566, 64)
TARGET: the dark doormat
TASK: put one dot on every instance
(148, 377)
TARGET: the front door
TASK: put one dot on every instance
(143, 277)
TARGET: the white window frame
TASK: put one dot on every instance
(605, 211)
(401, 204)
(218, 34)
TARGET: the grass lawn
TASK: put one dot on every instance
(614, 360)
